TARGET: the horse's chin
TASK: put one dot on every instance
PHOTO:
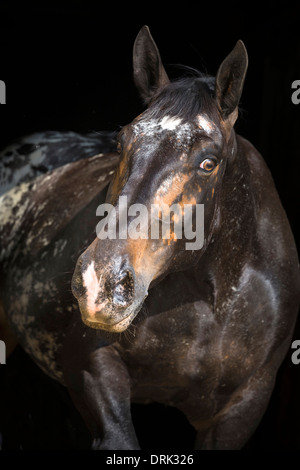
(97, 322)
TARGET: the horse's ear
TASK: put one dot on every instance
(148, 71)
(230, 80)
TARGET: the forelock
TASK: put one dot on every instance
(185, 98)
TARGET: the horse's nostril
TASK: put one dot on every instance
(123, 289)
(125, 278)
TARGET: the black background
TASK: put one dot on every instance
(68, 66)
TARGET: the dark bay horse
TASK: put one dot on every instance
(204, 330)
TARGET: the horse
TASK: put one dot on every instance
(34, 155)
(138, 319)
(46, 160)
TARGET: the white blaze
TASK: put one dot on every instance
(92, 285)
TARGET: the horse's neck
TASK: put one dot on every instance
(238, 199)
(235, 224)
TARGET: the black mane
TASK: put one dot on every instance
(185, 98)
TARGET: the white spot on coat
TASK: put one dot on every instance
(205, 124)
(169, 123)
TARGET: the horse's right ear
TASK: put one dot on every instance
(148, 71)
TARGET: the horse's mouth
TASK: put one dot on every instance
(117, 327)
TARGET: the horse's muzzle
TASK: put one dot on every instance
(110, 301)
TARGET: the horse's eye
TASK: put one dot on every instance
(208, 165)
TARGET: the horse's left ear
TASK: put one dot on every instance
(229, 82)
(148, 71)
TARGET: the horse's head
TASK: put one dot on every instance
(173, 154)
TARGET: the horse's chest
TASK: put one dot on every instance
(170, 351)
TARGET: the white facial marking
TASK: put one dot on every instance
(169, 123)
(182, 134)
(205, 124)
(92, 285)
(153, 128)
(147, 127)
